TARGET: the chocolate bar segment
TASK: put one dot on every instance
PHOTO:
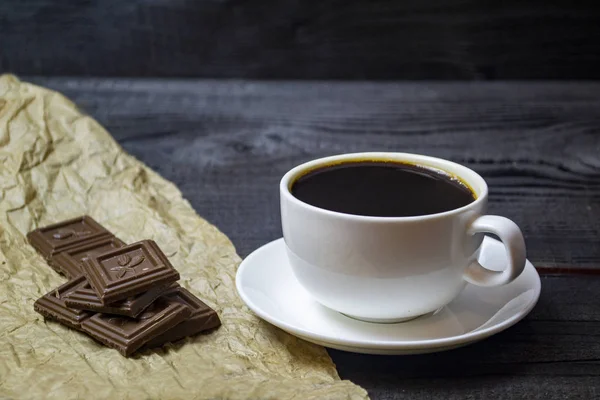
(55, 238)
(129, 334)
(68, 262)
(127, 271)
(85, 298)
(201, 319)
(52, 305)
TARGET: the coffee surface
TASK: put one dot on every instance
(381, 189)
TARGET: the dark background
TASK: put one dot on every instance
(302, 39)
(226, 142)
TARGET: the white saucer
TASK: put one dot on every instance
(267, 285)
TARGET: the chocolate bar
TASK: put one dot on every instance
(68, 262)
(52, 305)
(201, 319)
(85, 298)
(53, 239)
(127, 271)
(124, 296)
(129, 334)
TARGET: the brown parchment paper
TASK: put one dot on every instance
(56, 163)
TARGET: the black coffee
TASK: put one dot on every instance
(381, 189)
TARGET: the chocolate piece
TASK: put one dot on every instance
(55, 238)
(202, 318)
(52, 305)
(129, 334)
(68, 262)
(85, 298)
(127, 271)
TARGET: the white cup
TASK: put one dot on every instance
(390, 269)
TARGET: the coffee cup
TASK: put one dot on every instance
(391, 267)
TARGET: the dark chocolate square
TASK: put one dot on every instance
(127, 271)
(85, 298)
(53, 239)
(68, 262)
(129, 334)
(202, 318)
(52, 305)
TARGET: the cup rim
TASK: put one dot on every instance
(472, 178)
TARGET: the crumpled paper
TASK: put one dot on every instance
(56, 163)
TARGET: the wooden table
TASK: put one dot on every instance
(226, 145)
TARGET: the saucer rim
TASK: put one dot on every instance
(446, 342)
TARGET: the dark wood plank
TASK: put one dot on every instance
(291, 39)
(553, 354)
(226, 145)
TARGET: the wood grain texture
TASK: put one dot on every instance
(291, 39)
(226, 144)
(552, 354)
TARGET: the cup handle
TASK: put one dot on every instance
(512, 238)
